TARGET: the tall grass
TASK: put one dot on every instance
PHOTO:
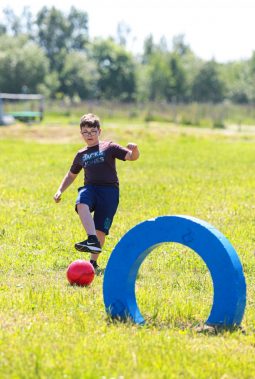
(50, 329)
(202, 115)
(192, 114)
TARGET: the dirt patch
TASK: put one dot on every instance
(57, 133)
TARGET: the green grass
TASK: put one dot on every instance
(50, 329)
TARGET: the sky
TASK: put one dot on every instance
(223, 30)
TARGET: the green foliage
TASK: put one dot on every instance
(49, 88)
(178, 89)
(82, 68)
(219, 124)
(8, 43)
(23, 66)
(116, 70)
(79, 76)
(252, 77)
(13, 22)
(149, 49)
(123, 31)
(159, 76)
(52, 330)
(162, 73)
(59, 35)
(236, 75)
(179, 45)
(207, 86)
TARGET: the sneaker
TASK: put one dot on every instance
(94, 264)
(89, 246)
(98, 271)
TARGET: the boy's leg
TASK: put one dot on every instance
(86, 219)
(101, 238)
(91, 244)
(105, 209)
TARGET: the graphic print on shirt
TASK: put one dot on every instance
(93, 158)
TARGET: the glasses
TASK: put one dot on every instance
(91, 133)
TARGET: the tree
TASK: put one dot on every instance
(166, 77)
(50, 86)
(79, 76)
(59, 35)
(191, 65)
(116, 70)
(252, 77)
(236, 76)
(149, 48)
(207, 85)
(178, 86)
(13, 23)
(77, 32)
(123, 31)
(3, 29)
(159, 77)
(22, 65)
(16, 25)
(179, 46)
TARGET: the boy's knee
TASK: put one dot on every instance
(82, 207)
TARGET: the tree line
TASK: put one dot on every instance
(52, 53)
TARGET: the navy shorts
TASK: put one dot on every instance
(103, 201)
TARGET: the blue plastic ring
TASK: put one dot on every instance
(212, 246)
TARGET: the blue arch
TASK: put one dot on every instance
(220, 257)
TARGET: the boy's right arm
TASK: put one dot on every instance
(66, 182)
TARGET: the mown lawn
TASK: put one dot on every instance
(50, 329)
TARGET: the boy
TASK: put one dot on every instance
(100, 193)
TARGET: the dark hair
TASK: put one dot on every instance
(90, 120)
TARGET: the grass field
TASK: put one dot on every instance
(50, 329)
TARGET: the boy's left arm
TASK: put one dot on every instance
(133, 153)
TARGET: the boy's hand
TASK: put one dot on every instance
(133, 153)
(57, 196)
(132, 146)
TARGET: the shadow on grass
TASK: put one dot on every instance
(100, 271)
(201, 328)
(217, 329)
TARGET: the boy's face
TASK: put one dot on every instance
(90, 135)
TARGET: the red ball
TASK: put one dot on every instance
(80, 272)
